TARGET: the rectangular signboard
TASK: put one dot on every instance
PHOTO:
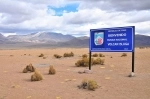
(117, 39)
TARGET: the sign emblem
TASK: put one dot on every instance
(98, 38)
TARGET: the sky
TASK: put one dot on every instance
(74, 17)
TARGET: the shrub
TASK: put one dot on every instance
(36, 76)
(95, 55)
(124, 55)
(71, 54)
(29, 68)
(25, 70)
(57, 56)
(84, 62)
(41, 55)
(52, 70)
(84, 84)
(88, 84)
(84, 56)
(98, 61)
(101, 55)
(102, 61)
(92, 85)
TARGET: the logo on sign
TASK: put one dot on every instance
(99, 38)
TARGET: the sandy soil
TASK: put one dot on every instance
(112, 77)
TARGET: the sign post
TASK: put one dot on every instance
(116, 39)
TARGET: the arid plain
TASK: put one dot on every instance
(112, 77)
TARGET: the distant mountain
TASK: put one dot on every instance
(142, 41)
(51, 39)
(2, 38)
(41, 37)
(83, 37)
(76, 42)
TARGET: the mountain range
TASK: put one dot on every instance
(51, 39)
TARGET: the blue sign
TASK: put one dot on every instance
(117, 39)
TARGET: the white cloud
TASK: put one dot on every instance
(7, 34)
(34, 15)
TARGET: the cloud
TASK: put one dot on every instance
(24, 16)
(7, 34)
(140, 16)
(116, 5)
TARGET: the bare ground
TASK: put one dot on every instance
(112, 77)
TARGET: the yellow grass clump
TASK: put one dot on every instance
(124, 55)
(88, 84)
(84, 62)
(95, 55)
(52, 71)
(36, 76)
(41, 55)
(98, 61)
(57, 56)
(92, 85)
(84, 56)
(29, 68)
(71, 54)
(101, 55)
(25, 70)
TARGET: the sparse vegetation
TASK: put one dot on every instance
(95, 55)
(41, 55)
(124, 55)
(101, 55)
(92, 85)
(84, 56)
(71, 54)
(57, 56)
(36, 76)
(29, 68)
(25, 70)
(84, 62)
(88, 84)
(98, 61)
(52, 71)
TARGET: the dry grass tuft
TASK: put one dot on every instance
(36, 76)
(95, 55)
(98, 61)
(41, 55)
(101, 55)
(92, 85)
(84, 62)
(84, 56)
(88, 84)
(29, 68)
(124, 55)
(71, 54)
(25, 70)
(52, 70)
(57, 56)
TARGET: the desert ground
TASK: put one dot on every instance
(112, 77)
